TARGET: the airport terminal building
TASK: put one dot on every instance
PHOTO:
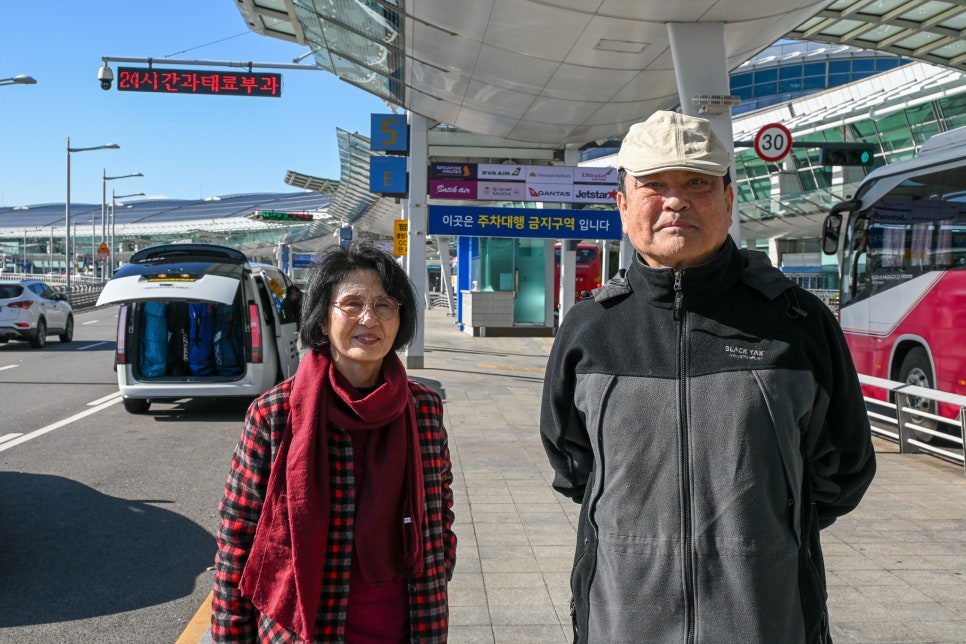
(821, 93)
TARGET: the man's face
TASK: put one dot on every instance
(676, 218)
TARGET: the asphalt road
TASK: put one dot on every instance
(107, 519)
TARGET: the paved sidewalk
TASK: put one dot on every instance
(896, 566)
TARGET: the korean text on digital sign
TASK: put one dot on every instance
(194, 81)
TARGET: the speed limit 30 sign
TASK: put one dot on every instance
(773, 142)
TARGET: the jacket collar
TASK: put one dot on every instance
(699, 284)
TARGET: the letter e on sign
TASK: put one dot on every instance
(773, 142)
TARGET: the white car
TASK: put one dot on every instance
(30, 310)
(199, 321)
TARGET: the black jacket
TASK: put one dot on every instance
(709, 420)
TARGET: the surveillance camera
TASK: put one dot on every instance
(106, 76)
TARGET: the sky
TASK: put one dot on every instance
(187, 147)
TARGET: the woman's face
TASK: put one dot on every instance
(360, 337)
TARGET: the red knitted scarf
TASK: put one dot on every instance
(283, 575)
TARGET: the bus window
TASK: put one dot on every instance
(902, 261)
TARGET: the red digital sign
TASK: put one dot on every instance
(195, 81)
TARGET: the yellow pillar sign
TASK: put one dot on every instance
(401, 237)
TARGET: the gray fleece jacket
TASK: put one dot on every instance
(709, 421)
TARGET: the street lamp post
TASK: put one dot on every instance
(19, 79)
(67, 253)
(104, 235)
(114, 198)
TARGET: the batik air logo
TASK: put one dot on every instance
(744, 353)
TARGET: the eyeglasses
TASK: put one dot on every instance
(384, 308)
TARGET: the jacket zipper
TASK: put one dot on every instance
(689, 599)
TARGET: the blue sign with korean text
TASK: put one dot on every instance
(389, 133)
(301, 260)
(472, 221)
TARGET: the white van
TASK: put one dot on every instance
(199, 321)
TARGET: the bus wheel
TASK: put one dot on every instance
(915, 370)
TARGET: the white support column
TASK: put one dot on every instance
(416, 212)
(568, 257)
(701, 67)
(445, 283)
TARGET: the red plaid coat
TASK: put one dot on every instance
(234, 619)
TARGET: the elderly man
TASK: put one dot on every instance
(705, 413)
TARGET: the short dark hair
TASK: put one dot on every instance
(622, 177)
(331, 267)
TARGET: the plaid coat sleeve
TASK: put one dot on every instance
(233, 617)
(429, 607)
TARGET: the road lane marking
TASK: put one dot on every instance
(511, 368)
(8, 437)
(58, 424)
(91, 322)
(198, 627)
(91, 346)
(116, 394)
(9, 366)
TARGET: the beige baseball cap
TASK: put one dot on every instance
(673, 141)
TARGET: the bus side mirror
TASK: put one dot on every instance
(830, 233)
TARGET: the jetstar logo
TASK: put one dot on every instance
(596, 194)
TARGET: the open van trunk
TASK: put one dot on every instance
(183, 316)
(186, 341)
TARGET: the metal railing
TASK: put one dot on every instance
(900, 423)
(83, 292)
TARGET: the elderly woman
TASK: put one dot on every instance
(336, 524)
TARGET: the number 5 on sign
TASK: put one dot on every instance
(773, 142)
(389, 133)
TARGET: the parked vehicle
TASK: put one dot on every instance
(30, 310)
(199, 320)
(901, 249)
(587, 275)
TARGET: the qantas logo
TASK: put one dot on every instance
(547, 193)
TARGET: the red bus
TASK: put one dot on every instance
(901, 248)
(588, 273)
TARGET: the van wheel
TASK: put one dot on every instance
(39, 341)
(137, 405)
(915, 370)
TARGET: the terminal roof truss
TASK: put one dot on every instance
(928, 30)
(547, 71)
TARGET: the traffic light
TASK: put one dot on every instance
(860, 154)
